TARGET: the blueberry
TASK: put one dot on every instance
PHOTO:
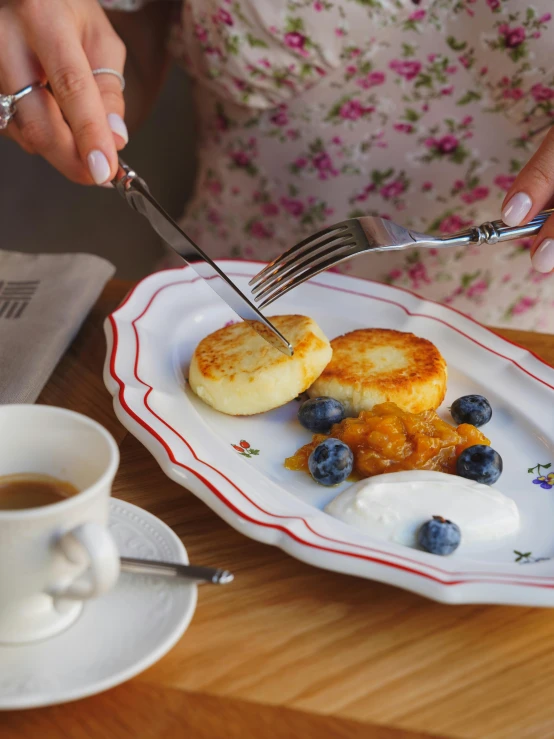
(319, 414)
(439, 536)
(474, 409)
(479, 463)
(331, 462)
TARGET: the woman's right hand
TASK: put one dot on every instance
(78, 126)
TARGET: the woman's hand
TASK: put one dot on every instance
(78, 127)
(533, 191)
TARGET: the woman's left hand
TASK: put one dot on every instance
(533, 191)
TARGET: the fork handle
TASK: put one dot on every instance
(493, 232)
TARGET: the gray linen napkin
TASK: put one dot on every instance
(44, 298)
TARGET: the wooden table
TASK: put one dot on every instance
(291, 651)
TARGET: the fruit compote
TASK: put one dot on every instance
(388, 439)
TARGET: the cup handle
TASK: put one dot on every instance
(89, 544)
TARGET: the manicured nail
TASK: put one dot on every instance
(108, 185)
(516, 209)
(117, 124)
(99, 167)
(543, 258)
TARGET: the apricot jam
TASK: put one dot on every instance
(388, 439)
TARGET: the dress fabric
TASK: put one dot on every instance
(312, 111)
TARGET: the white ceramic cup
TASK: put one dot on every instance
(55, 556)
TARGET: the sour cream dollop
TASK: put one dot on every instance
(393, 506)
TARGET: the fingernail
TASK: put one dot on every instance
(543, 258)
(98, 166)
(516, 209)
(108, 185)
(117, 124)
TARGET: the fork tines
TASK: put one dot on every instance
(309, 257)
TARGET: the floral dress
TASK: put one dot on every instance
(311, 111)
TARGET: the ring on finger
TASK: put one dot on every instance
(114, 72)
(8, 102)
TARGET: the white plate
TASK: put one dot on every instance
(150, 341)
(116, 636)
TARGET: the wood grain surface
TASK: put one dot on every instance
(288, 650)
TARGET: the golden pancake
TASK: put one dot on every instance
(376, 365)
(236, 372)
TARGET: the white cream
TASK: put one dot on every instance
(393, 506)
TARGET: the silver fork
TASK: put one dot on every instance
(348, 239)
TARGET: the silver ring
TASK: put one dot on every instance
(107, 70)
(8, 102)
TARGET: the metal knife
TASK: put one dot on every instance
(135, 191)
(176, 569)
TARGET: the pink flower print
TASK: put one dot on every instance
(458, 185)
(322, 162)
(418, 275)
(259, 231)
(318, 7)
(214, 217)
(506, 278)
(493, 4)
(214, 186)
(515, 93)
(541, 93)
(394, 274)
(280, 117)
(265, 63)
(447, 90)
(513, 37)
(477, 289)
(405, 68)
(452, 69)
(447, 144)
(392, 189)
(201, 33)
(478, 193)
(375, 78)
(427, 186)
(417, 15)
(452, 223)
(403, 127)
(467, 121)
(293, 134)
(465, 61)
(336, 140)
(504, 181)
(241, 159)
(270, 209)
(372, 79)
(235, 190)
(351, 69)
(431, 58)
(355, 52)
(295, 40)
(300, 163)
(483, 71)
(545, 18)
(536, 34)
(523, 305)
(223, 16)
(294, 207)
(353, 109)
(340, 32)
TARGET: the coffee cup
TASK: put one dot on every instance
(56, 473)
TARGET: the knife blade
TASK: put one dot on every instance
(135, 191)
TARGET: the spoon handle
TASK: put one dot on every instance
(176, 569)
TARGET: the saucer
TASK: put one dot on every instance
(116, 636)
